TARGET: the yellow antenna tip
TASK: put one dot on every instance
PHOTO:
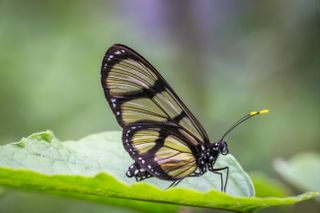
(253, 113)
(264, 111)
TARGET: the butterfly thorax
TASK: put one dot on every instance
(209, 155)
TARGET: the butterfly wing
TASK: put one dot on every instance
(163, 150)
(137, 93)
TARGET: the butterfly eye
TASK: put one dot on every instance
(223, 147)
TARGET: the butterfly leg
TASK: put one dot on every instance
(139, 173)
(218, 171)
(175, 183)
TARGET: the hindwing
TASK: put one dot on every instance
(163, 150)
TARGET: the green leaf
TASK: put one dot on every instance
(266, 186)
(104, 152)
(302, 171)
(70, 169)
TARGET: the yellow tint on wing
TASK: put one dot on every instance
(172, 108)
(175, 158)
(129, 76)
(141, 109)
(174, 143)
(187, 124)
(182, 171)
(189, 137)
(168, 104)
(138, 69)
(143, 141)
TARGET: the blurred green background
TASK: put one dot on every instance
(223, 58)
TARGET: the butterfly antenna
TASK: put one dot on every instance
(244, 118)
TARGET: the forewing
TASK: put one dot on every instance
(137, 93)
(161, 149)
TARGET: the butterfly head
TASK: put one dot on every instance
(221, 146)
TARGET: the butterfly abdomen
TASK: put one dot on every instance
(136, 171)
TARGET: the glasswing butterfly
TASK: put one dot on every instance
(161, 135)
